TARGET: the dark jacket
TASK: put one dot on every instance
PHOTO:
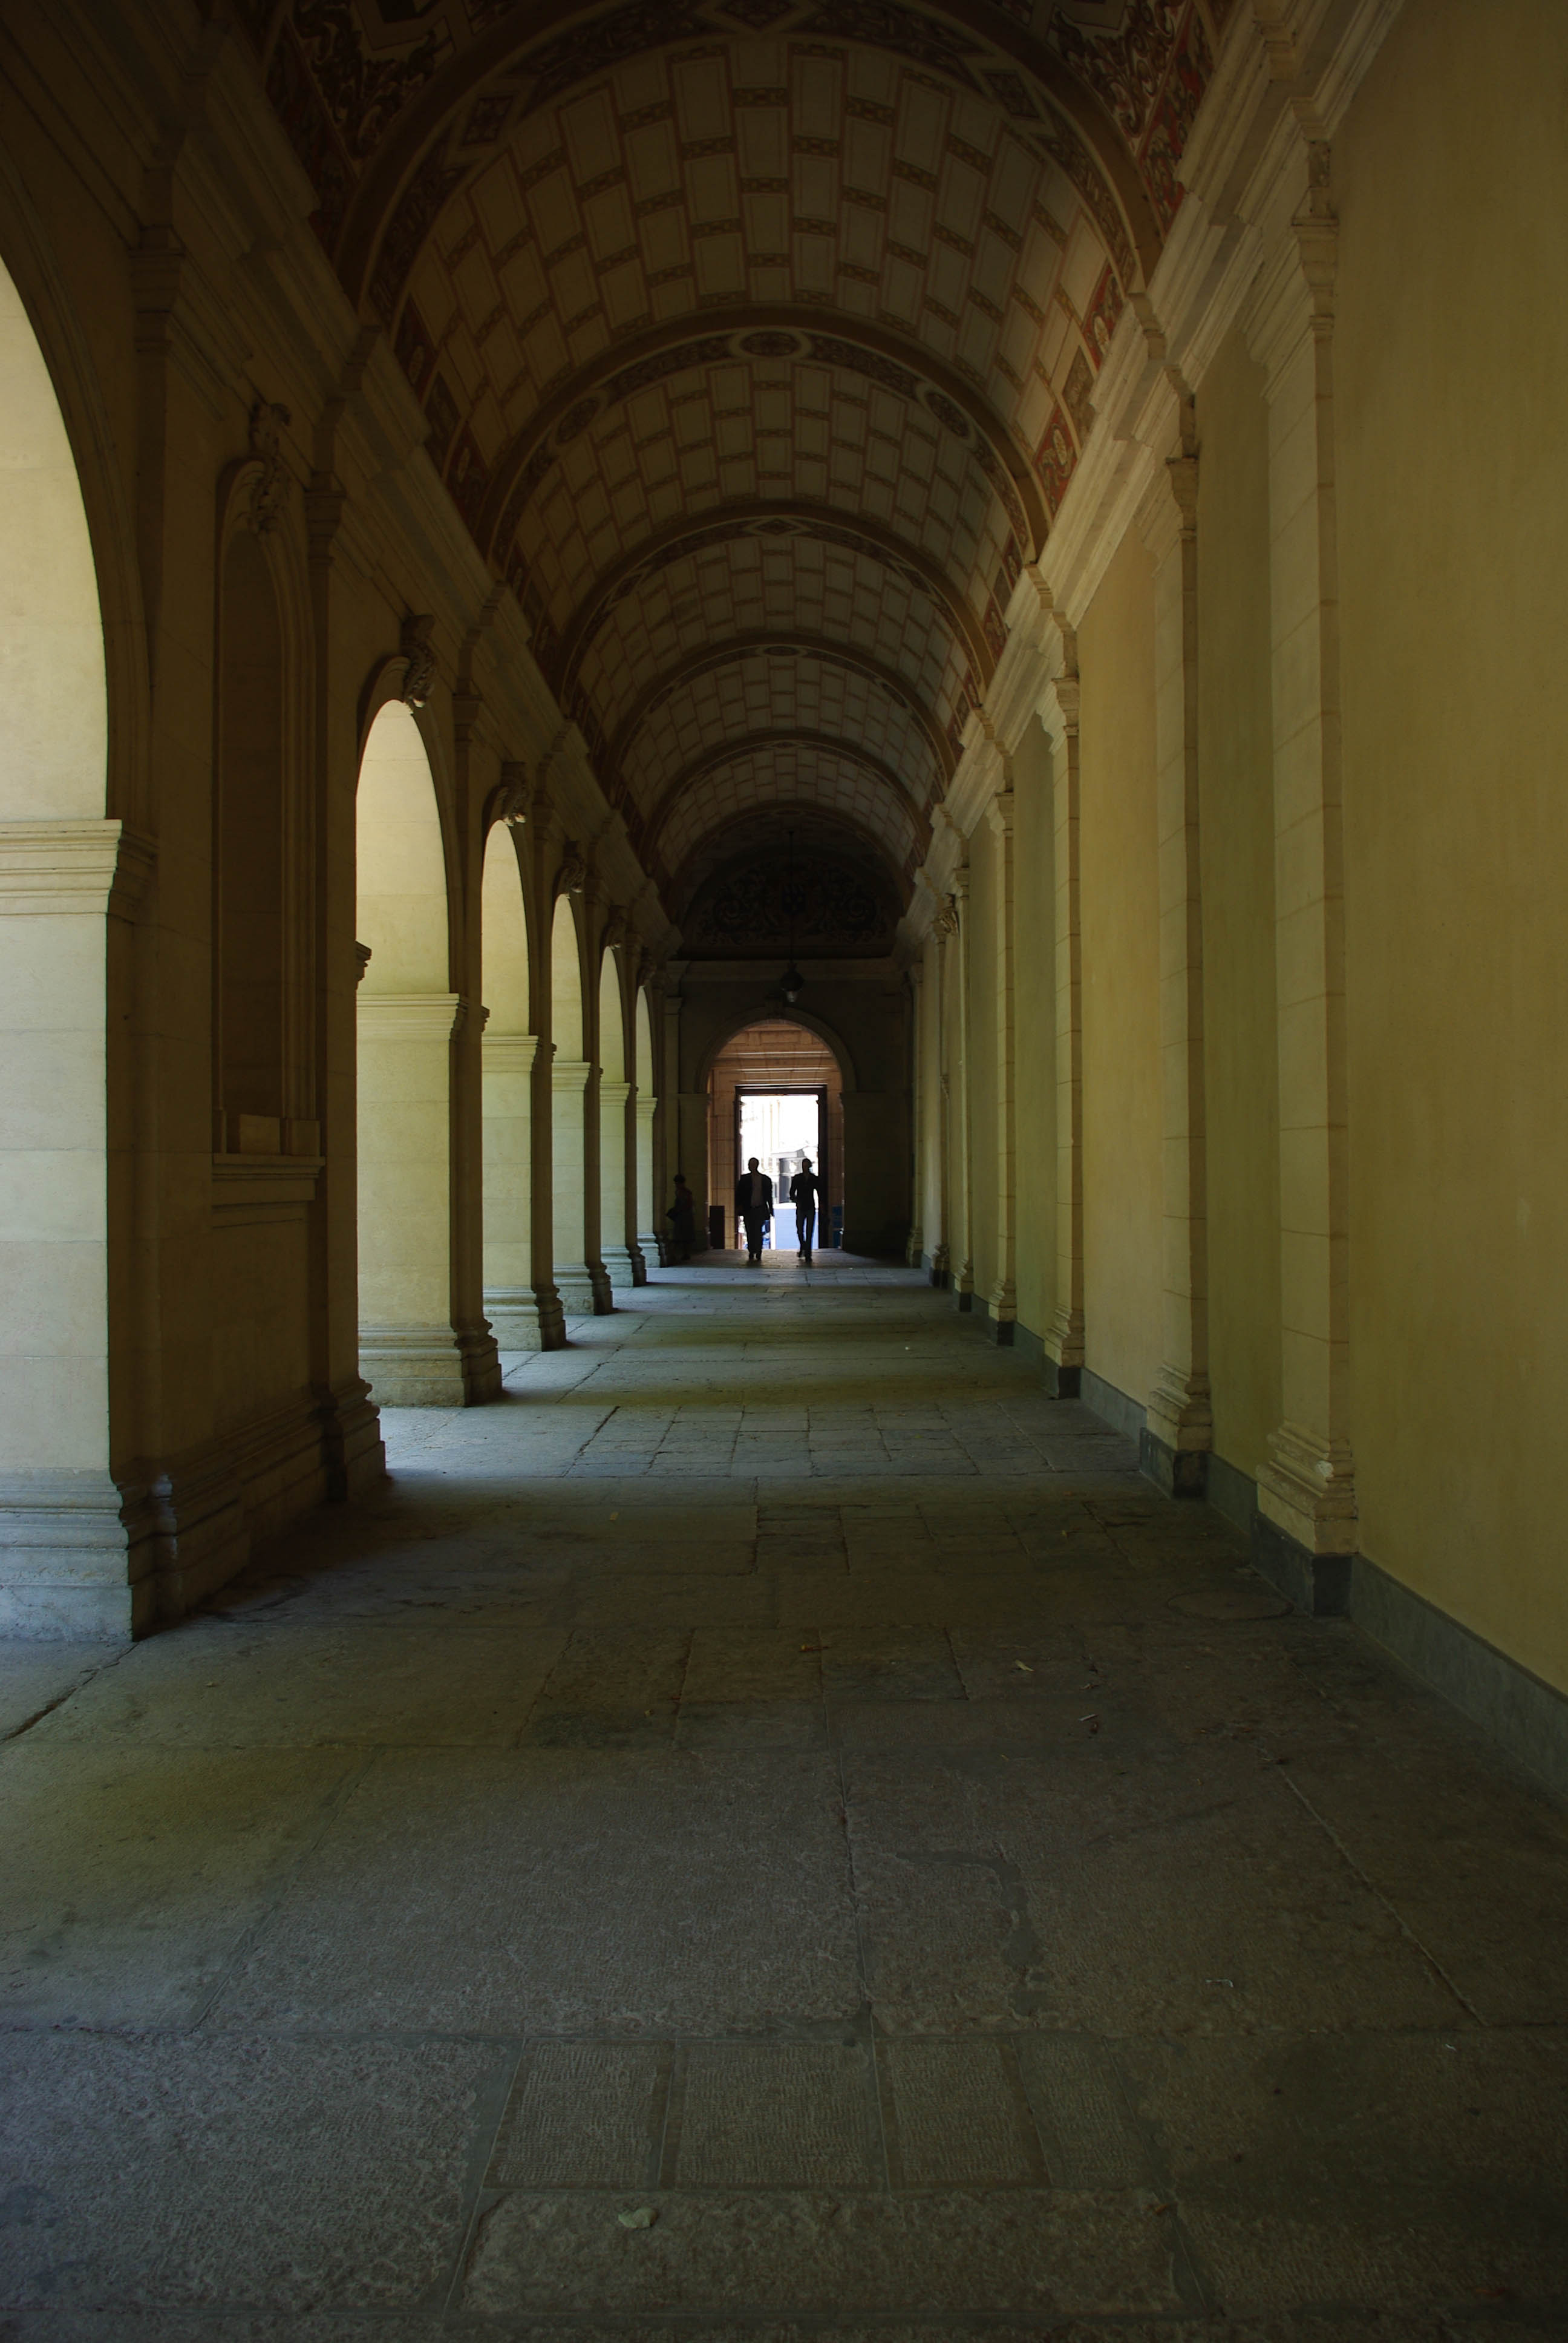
(743, 1194)
(805, 1189)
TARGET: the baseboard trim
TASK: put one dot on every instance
(1524, 1715)
(1028, 1343)
(1123, 1414)
(1233, 1494)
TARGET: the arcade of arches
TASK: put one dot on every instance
(519, 523)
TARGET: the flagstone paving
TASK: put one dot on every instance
(772, 1830)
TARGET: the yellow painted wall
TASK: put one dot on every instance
(933, 1231)
(1450, 357)
(1034, 1028)
(982, 919)
(1123, 1203)
(1235, 765)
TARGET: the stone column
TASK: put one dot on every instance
(648, 1215)
(1003, 1295)
(1179, 1431)
(412, 1347)
(576, 1279)
(548, 1304)
(944, 927)
(350, 1429)
(963, 1272)
(1305, 1530)
(591, 1205)
(467, 1083)
(614, 1246)
(69, 1562)
(1064, 1336)
(510, 1302)
(915, 1245)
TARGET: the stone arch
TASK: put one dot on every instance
(506, 1053)
(408, 1015)
(765, 1006)
(579, 1278)
(617, 1232)
(797, 1054)
(648, 1219)
(61, 860)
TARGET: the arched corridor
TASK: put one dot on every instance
(970, 590)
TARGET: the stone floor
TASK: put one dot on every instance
(773, 1831)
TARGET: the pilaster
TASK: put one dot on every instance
(1179, 1429)
(963, 1270)
(1306, 1529)
(1059, 714)
(1003, 1295)
(944, 928)
(915, 1244)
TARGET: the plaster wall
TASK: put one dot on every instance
(1123, 1196)
(1034, 1028)
(1235, 768)
(981, 1052)
(928, 1171)
(1451, 354)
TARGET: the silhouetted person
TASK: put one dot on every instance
(754, 1206)
(682, 1219)
(803, 1192)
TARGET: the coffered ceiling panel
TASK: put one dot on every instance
(757, 340)
(781, 775)
(792, 582)
(770, 692)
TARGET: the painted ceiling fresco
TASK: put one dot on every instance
(757, 343)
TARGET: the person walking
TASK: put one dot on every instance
(754, 1206)
(682, 1219)
(803, 1192)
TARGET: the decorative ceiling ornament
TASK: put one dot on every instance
(510, 800)
(419, 654)
(270, 481)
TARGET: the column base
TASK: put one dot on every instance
(430, 1366)
(512, 1311)
(1319, 1583)
(1178, 1472)
(551, 1316)
(1002, 1332)
(1060, 1382)
(351, 1444)
(67, 1569)
(620, 1267)
(585, 1289)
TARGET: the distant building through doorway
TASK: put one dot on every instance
(775, 1093)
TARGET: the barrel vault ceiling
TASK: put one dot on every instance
(757, 343)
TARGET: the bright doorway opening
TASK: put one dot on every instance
(780, 1128)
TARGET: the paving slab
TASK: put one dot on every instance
(861, 1864)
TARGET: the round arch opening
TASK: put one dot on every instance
(776, 1091)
